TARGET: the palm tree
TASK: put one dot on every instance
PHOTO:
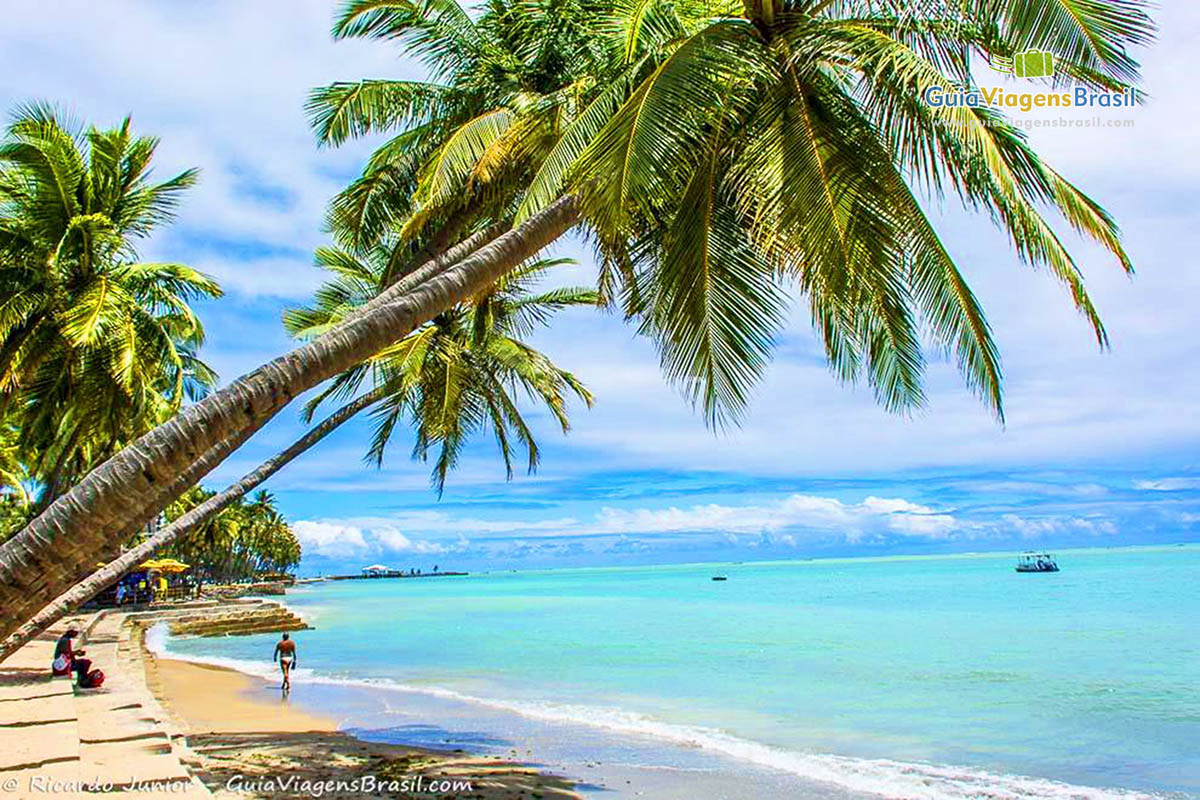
(14, 499)
(198, 516)
(96, 347)
(270, 546)
(701, 225)
(457, 374)
(208, 547)
(452, 377)
(791, 141)
(774, 145)
(245, 539)
(501, 89)
(12, 471)
(57, 547)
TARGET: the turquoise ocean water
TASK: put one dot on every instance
(939, 677)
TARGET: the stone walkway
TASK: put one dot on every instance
(59, 741)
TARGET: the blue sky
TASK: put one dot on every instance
(1099, 449)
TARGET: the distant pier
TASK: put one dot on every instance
(393, 573)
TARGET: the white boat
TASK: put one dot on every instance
(1037, 562)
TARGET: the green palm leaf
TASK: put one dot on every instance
(342, 111)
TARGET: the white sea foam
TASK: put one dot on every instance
(309, 614)
(883, 777)
(156, 639)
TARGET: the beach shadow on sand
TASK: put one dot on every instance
(341, 758)
(432, 736)
(23, 676)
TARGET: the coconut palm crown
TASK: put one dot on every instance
(730, 157)
(96, 346)
(467, 370)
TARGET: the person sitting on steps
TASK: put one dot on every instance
(67, 658)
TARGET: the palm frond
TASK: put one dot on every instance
(441, 32)
(343, 111)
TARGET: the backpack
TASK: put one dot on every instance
(93, 680)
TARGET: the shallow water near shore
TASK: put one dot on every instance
(946, 677)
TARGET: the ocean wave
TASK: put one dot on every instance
(881, 777)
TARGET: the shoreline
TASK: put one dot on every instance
(228, 713)
(821, 774)
(240, 743)
(747, 770)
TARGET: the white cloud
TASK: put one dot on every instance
(330, 539)
(780, 521)
(1168, 484)
(291, 278)
(1038, 528)
(334, 539)
(393, 540)
(798, 511)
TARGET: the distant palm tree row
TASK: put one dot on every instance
(244, 540)
(726, 161)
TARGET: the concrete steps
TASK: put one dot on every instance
(122, 740)
(39, 733)
(242, 619)
(116, 739)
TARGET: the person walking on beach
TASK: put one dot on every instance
(285, 653)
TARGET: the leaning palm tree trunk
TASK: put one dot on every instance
(219, 452)
(104, 577)
(437, 265)
(111, 547)
(41, 561)
(114, 536)
(194, 474)
(405, 284)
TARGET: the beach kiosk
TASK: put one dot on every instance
(157, 571)
(375, 571)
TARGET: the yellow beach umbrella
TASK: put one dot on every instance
(172, 565)
(151, 564)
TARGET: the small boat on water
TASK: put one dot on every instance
(1037, 562)
(720, 578)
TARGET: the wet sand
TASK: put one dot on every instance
(248, 741)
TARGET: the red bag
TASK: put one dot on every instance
(93, 680)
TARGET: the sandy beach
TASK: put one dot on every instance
(195, 730)
(212, 699)
(247, 742)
